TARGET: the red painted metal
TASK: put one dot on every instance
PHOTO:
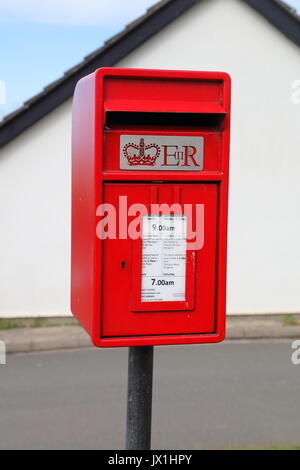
(106, 275)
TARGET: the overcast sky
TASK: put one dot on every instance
(77, 12)
(40, 39)
(73, 12)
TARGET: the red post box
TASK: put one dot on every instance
(150, 206)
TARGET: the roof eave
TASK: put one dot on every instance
(279, 14)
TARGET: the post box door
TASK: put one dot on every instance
(184, 306)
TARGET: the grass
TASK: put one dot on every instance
(290, 320)
(284, 448)
(10, 324)
(6, 324)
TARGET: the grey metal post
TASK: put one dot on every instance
(139, 404)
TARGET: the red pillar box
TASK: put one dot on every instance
(150, 206)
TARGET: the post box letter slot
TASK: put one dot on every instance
(140, 119)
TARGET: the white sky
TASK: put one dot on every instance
(294, 3)
(78, 12)
(73, 12)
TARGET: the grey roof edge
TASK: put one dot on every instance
(119, 46)
(280, 15)
(289, 8)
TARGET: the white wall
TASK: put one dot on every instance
(264, 253)
(35, 187)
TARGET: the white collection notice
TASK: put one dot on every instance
(164, 258)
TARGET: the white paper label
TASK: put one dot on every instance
(164, 258)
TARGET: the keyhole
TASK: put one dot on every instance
(123, 264)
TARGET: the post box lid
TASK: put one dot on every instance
(165, 106)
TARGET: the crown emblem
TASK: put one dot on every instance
(141, 154)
